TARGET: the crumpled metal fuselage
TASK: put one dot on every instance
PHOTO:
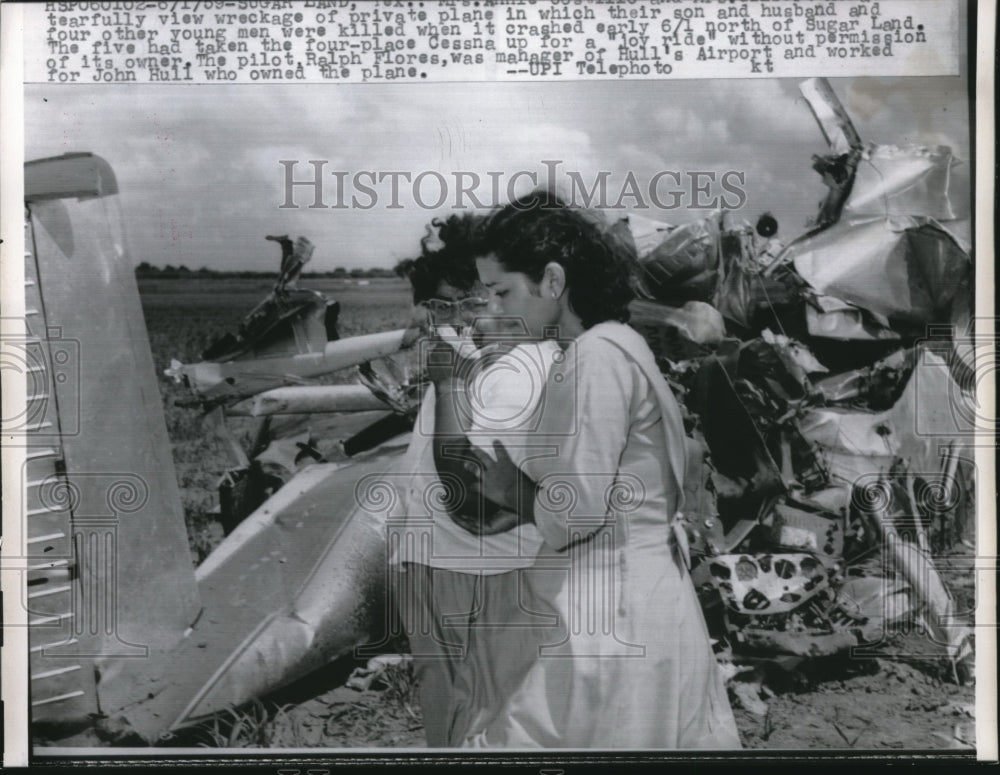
(300, 582)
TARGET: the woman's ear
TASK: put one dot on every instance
(553, 280)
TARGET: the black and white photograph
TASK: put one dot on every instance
(493, 379)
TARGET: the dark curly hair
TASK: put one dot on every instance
(536, 229)
(448, 258)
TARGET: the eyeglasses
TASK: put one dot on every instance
(467, 306)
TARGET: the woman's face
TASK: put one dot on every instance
(517, 308)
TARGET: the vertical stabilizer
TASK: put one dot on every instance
(111, 573)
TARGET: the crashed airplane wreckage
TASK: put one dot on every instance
(825, 469)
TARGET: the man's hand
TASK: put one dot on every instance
(495, 486)
(499, 522)
(501, 482)
(449, 360)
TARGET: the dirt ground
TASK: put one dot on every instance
(902, 697)
(836, 703)
(873, 704)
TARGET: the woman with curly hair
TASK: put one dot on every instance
(623, 659)
(443, 577)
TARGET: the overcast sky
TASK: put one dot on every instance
(201, 185)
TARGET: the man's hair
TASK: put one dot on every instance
(540, 228)
(447, 257)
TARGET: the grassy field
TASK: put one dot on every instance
(184, 317)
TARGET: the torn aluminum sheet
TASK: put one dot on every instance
(295, 254)
(854, 443)
(288, 320)
(832, 318)
(877, 387)
(903, 180)
(868, 450)
(766, 583)
(298, 320)
(708, 261)
(893, 504)
(683, 266)
(837, 172)
(284, 445)
(742, 288)
(771, 371)
(390, 382)
(646, 233)
(877, 602)
(906, 269)
(678, 333)
(795, 356)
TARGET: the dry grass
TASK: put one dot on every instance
(385, 715)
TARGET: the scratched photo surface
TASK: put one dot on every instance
(224, 384)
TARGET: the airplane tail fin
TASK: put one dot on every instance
(108, 569)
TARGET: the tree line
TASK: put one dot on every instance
(146, 271)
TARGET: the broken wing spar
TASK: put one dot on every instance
(308, 399)
(231, 380)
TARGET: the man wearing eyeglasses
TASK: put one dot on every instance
(447, 581)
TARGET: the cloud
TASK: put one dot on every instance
(200, 180)
(906, 110)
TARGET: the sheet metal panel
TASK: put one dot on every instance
(126, 503)
(299, 583)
